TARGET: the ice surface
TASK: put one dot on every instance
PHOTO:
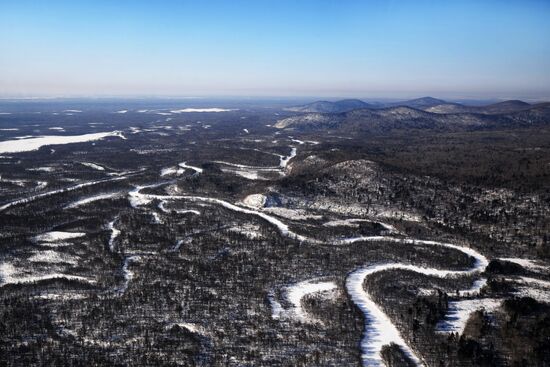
(34, 143)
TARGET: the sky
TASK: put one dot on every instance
(387, 49)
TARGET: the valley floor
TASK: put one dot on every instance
(209, 237)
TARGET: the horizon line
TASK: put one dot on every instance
(261, 97)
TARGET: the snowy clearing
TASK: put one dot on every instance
(170, 171)
(93, 165)
(294, 294)
(9, 274)
(460, 311)
(533, 265)
(92, 199)
(56, 236)
(42, 169)
(254, 201)
(53, 257)
(355, 223)
(197, 170)
(252, 231)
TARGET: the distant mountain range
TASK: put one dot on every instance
(419, 103)
(492, 109)
(344, 105)
(433, 115)
(428, 104)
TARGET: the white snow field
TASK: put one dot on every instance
(354, 223)
(171, 171)
(460, 311)
(254, 201)
(9, 274)
(52, 257)
(93, 165)
(57, 236)
(294, 294)
(162, 207)
(91, 199)
(250, 230)
(35, 143)
(532, 287)
(532, 265)
(179, 170)
(197, 170)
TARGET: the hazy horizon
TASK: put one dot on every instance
(276, 49)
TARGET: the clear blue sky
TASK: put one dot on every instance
(276, 48)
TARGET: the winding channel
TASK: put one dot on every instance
(379, 329)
